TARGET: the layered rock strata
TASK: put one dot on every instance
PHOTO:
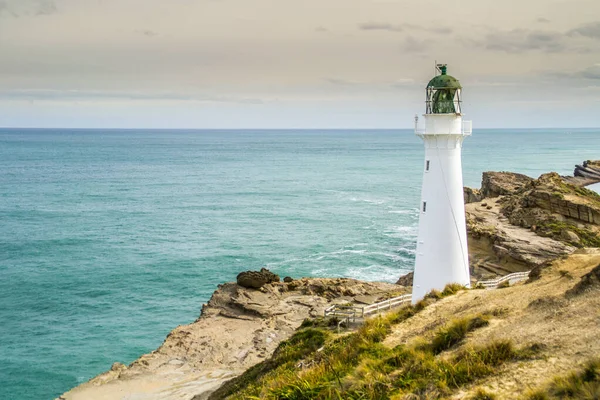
(517, 223)
(237, 328)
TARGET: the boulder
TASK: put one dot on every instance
(471, 195)
(406, 280)
(494, 184)
(256, 279)
(288, 279)
(569, 236)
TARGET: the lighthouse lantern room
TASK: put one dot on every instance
(442, 254)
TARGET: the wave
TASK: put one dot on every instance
(376, 202)
(412, 211)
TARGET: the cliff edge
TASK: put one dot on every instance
(514, 222)
(238, 328)
(517, 223)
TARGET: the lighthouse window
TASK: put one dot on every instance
(424, 206)
(427, 165)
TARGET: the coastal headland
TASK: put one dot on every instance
(549, 225)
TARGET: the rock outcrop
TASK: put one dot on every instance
(586, 174)
(256, 279)
(589, 169)
(494, 184)
(237, 328)
(406, 280)
(497, 247)
(520, 223)
(472, 195)
(554, 208)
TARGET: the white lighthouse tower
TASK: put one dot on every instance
(442, 254)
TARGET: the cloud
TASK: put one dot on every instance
(543, 20)
(147, 32)
(592, 73)
(591, 30)
(525, 40)
(97, 95)
(442, 30)
(321, 29)
(412, 45)
(24, 8)
(46, 7)
(384, 26)
(376, 26)
(398, 83)
(343, 82)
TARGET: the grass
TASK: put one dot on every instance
(455, 332)
(320, 322)
(565, 274)
(357, 366)
(481, 394)
(563, 188)
(584, 384)
(287, 354)
(554, 229)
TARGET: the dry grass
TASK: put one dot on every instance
(584, 384)
(500, 340)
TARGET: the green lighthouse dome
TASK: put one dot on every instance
(444, 81)
(443, 94)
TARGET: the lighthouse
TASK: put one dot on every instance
(442, 253)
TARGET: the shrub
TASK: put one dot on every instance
(454, 333)
(452, 288)
(584, 384)
(434, 294)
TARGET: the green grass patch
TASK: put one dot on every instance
(554, 229)
(287, 354)
(455, 332)
(349, 366)
(584, 384)
(481, 394)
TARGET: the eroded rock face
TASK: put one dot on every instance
(494, 184)
(406, 280)
(256, 279)
(472, 195)
(589, 169)
(534, 222)
(238, 328)
(497, 247)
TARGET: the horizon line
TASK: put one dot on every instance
(270, 129)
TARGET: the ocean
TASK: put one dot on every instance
(111, 238)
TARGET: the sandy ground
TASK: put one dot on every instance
(537, 312)
(153, 386)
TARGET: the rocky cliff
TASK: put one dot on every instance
(529, 341)
(586, 174)
(516, 223)
(238, 328)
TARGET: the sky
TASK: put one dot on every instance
(295, 63)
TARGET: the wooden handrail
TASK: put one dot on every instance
(349, 311)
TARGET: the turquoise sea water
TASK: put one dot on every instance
(110, 239)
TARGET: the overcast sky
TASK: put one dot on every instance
(295, 63)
